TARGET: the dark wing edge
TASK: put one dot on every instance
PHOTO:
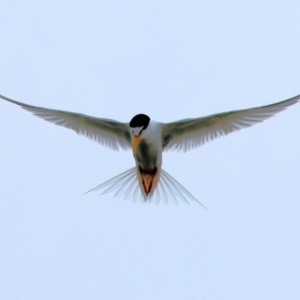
(191, 133)
(106, 132)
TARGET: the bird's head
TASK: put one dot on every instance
(138, 125)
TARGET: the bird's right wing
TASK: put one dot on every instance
(191, 133)
(110, 133)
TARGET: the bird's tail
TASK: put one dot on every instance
(127, 185)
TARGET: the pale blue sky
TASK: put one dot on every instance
(170, 60)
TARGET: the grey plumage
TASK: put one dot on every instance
(147, 181)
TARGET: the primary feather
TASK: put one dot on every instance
(191, 133)
(110, 133)
(147, 181)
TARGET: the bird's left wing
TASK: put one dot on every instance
(191, 133)
(110, 133)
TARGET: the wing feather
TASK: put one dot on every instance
(191, 133)
(110, 133)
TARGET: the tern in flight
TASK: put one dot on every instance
(148, 139)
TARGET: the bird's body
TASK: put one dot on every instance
(148, 158)
(148, 139)
(149, 150)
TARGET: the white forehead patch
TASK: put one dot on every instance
(136, 131)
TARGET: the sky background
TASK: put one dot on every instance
(171, 60)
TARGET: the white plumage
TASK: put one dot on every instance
(147, 181)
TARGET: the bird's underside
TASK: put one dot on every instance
(147, 181)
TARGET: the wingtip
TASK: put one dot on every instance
(88, 191)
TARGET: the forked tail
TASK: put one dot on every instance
(126, 185)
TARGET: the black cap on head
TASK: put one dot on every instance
(140, 120)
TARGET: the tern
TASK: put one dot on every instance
(148, 139)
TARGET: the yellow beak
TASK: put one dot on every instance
(135, 143)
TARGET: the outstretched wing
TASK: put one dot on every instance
(107, 132)
(191, 133)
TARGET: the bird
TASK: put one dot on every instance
(147, 182)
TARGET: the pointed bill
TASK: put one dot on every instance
(135, 143)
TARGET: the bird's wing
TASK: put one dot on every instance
(107, 132)
(191, 133)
